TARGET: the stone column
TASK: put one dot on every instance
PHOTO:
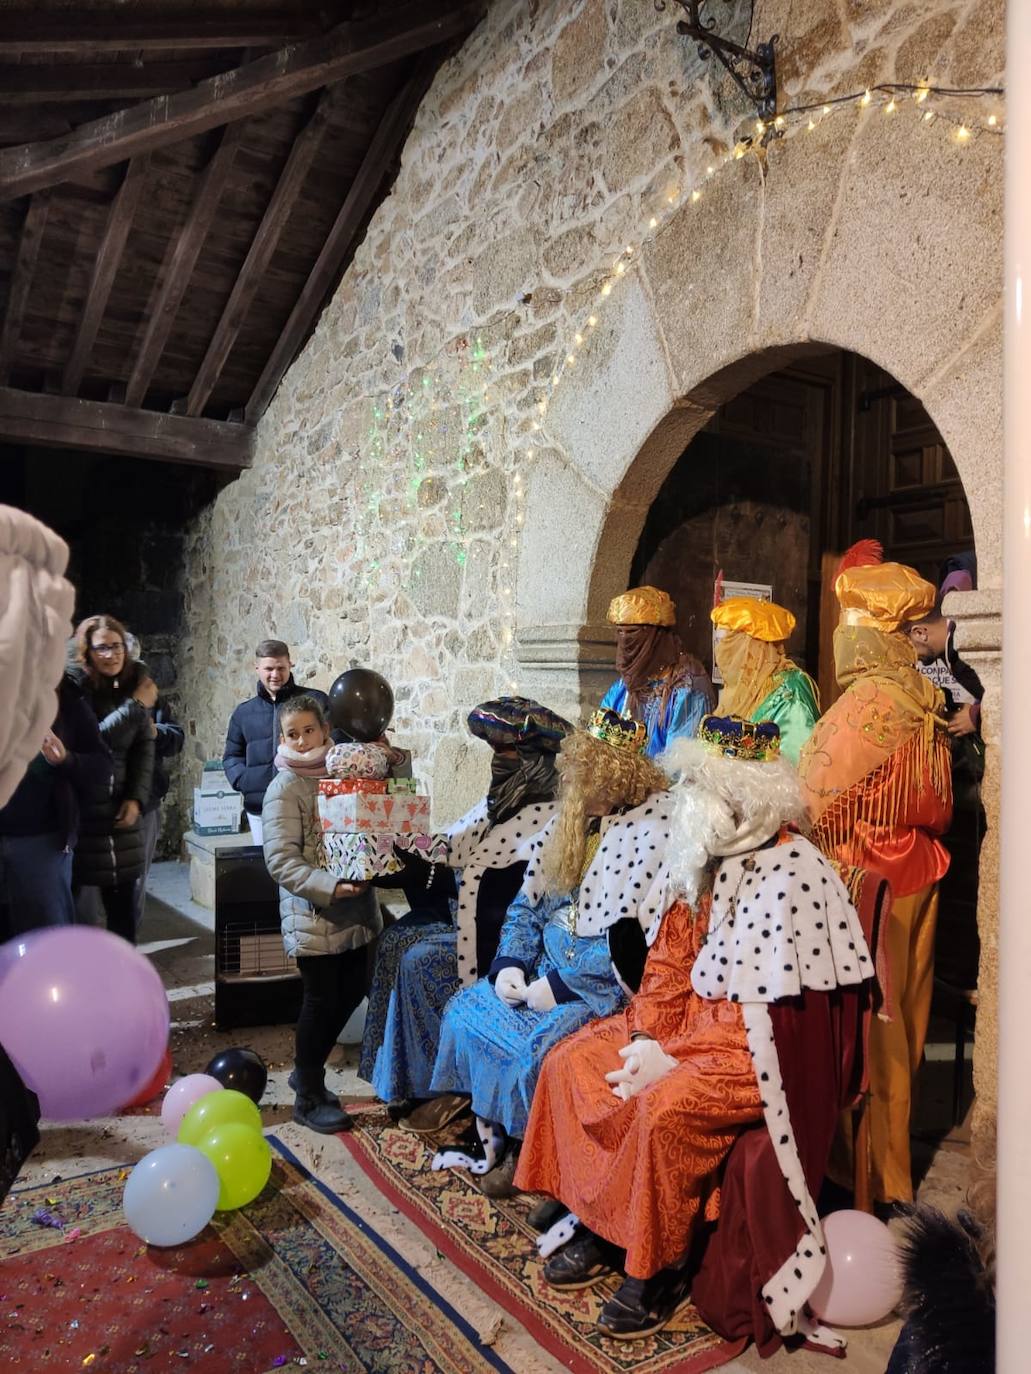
(567, 667)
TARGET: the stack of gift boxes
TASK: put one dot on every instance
(364, 819)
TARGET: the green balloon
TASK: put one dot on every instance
(219, 1108)
(242, 1160)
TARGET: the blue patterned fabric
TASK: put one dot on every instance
(427, 975)
(682, 716)
(393, 945)
(494, 1052)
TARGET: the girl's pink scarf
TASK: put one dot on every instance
(309, 765)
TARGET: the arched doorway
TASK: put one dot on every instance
(788, 473)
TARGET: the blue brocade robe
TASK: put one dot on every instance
(682, 716)
(494, 1052)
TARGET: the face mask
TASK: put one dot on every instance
(502, 768)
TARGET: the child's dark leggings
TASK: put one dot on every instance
(334, 984)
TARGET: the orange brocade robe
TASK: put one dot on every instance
(640, 1173)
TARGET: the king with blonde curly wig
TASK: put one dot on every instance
(596, 778)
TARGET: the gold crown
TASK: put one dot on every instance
(734, 738)
(622, 732)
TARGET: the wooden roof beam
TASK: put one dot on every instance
(28, 417)
(44, 32)
(386, 143)
(259, 255)
(31, 237)
(109, 255)
(180, 260)
(23, 84)
(394, 32)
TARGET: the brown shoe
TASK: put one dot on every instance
(435, 1114)
(498, 1183)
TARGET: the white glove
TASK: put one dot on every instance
(510, 986)
(644, 1063)
(539, 995)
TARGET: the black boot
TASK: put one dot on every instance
(330, 1098)
(311, 1108)
(640, 1307)
(583, 1261)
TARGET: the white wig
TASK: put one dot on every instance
(723, 806)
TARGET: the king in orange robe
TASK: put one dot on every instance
(634, 1116)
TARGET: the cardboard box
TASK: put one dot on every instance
(357, 857)
(213, 780)
(372, 814)
(216, 813)
(344, 787)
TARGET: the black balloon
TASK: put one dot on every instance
(242, 1069)
(361, 704)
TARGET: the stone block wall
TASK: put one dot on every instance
(382, 521)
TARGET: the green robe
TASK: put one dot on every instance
(793, 707)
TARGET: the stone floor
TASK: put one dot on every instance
(178, 936)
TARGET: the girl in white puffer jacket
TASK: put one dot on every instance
(326, 924)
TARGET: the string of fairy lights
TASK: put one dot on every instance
(432, 414)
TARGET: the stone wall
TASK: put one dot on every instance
(426, 501)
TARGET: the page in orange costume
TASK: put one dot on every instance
(877, 786)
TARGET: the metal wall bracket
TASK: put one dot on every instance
(752, 70)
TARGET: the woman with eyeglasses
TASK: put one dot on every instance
(110, 853)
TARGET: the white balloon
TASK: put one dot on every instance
(182, 1095)
(171, 1195)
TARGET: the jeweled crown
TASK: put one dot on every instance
(622, 732)
(734, 738)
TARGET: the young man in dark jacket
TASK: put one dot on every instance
(252, 740)
(40, 824)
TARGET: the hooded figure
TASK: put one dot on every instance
(659, 682)
(550, 976)
(450, 936)
(634, 1117)
(876, 781)
(35, 621)
(759, 681)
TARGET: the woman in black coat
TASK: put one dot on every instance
(110, 852)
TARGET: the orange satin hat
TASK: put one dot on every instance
(883, 596)
(763, 620)
(643, 606)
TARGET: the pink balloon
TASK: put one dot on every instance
(862, 1282)
(182, 1095)
(84, 1018)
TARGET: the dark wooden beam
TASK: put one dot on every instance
(263, 245)
(33, 224)
(28, 417)
(386, 142)
(27, 84)
(97, 32)
(393, 33)
(177, 268)
(109, 255)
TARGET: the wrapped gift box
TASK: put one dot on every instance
(346, 813)
(346, 787)
(359, 856)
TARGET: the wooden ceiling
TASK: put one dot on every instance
(180, 192)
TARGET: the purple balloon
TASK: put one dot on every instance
(84, 1018)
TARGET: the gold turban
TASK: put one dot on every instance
(883, 596)
(643, 606)
(763, 620)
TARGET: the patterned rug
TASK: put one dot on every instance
(295, 1279)
(493, 1243)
